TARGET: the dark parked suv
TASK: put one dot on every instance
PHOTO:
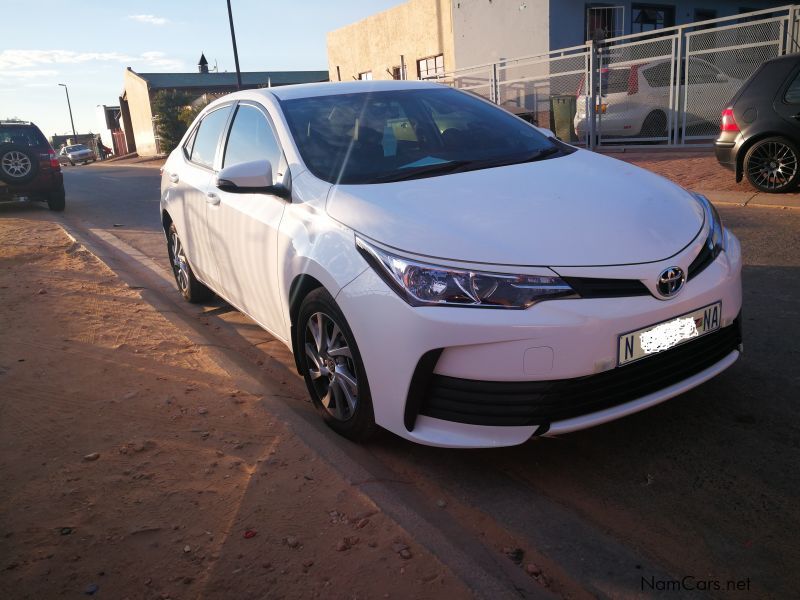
(29, 167)
(760, 132)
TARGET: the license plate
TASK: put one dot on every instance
(668, 334)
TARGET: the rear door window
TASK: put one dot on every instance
(206, 139)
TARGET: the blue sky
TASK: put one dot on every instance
(88, 43)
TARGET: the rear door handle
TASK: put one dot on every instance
(797, 116)
(173, 177)
(212, 198)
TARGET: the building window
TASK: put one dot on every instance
(365, 76)
(650, 17)
(397, 73)
(431, 67)
(604, 21)
(704, 14)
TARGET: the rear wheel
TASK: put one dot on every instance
(771, 165)
(332, 367)
(655, 125)
(190, 288)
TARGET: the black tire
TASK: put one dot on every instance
(655, 125)
(772, 165)
(18, 164)
(56, 200)
(330, 392)
(190, 288)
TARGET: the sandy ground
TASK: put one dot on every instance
(131, 468)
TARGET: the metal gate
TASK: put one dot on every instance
(717, 63)
(635, 95)
(667, 86)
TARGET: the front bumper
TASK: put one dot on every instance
(528, 351)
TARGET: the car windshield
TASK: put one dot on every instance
(376, 137)
(76, 148)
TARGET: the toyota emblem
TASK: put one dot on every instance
(670, 281)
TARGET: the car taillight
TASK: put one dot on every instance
(49, 161)
(633, 80)
(728, 121)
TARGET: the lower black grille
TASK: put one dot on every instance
(590, 287)
(544, 402)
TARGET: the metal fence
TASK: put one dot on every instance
(665, 87)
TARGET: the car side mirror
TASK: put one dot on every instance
(546, 132)
(254, 177)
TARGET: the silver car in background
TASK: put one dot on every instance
(77, 153)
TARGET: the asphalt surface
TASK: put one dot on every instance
(700, 490)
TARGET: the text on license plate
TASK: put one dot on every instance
(663, 336)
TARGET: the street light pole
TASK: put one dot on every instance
(235, 51)
(69, 106)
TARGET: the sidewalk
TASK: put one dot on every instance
(132, 468)
(700, 172)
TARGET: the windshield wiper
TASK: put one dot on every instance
(461, 166)
(423, 171)
(474, 165)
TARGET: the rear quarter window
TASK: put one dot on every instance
(22, 135)
(792, 95)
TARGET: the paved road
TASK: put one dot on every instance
(704, 486)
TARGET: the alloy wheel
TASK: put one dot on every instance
(180, 265)
(772, 165)
(16, 164)
(331, 366)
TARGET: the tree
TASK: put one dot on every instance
(168, 108)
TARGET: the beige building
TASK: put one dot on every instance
(432, 37)
(140, 88)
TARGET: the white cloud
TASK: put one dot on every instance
(28, 74)
(33, 63)
(150, 19)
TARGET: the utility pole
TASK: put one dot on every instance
(235, 51)
(69, 106)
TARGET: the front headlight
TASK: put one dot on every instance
(716, 235)
(422, 284)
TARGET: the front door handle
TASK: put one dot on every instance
(797, 116)
(212, 198)
(173, 177)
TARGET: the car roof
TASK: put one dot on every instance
(785, 58)
(309, 90)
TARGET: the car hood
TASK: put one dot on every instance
(582, 209)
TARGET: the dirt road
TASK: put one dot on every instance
(132, 468)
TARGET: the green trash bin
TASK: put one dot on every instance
(562, 117)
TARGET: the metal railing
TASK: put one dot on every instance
(665, 87)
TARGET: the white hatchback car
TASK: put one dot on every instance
(636, 100)
(445, 270)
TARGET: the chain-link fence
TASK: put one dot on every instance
(664, 87)
(718, 61)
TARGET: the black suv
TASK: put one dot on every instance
(760, 132)
(29, 167)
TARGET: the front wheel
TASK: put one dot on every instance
(190, 288)
(771, 165)
(332, 367)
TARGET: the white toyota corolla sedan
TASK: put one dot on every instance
(445, 270)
